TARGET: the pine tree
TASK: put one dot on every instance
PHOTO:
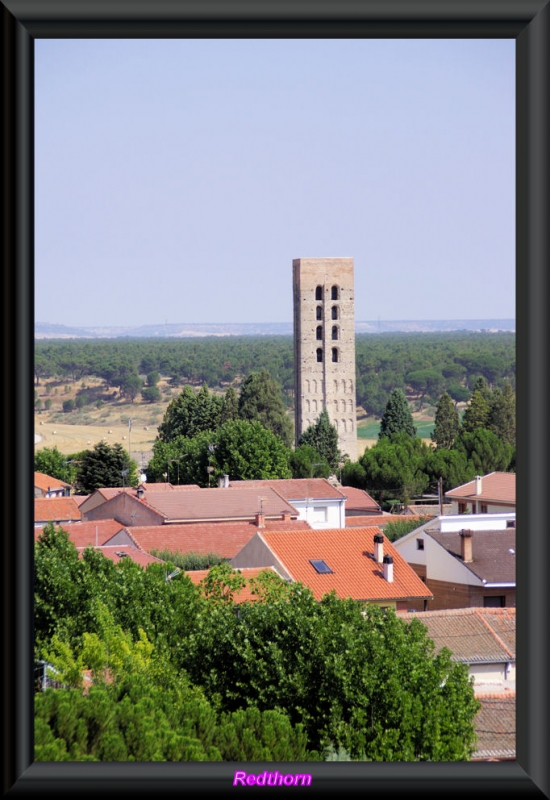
(476, 414)
(502, 414)
(105, 466)
(447, 423)
(397, 417)
(261, 400)
(323, 437)
(230, 406)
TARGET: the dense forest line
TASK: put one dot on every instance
(425, 363)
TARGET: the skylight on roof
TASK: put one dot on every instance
(321, 566)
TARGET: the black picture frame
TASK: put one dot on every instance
(525, 21)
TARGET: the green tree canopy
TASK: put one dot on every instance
(261, 399)
(476, 414)
(397, 417)
(322, 436)
(369, 683)
(486, 451)
(447, 423)
(50, 461)
(502, 414)
(105, 466)
(305, 462)
(190, 413)
(394, 467)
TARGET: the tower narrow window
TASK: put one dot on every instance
(319, 354)
(319, 331)
(319, 293)
(334, 293)
(319, 312)
(335, 331)
(334, 312)
(335, 354)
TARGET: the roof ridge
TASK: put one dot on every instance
(494, 633)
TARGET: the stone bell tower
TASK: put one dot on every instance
(324, 346)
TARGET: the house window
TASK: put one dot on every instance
(483, 509)
(319, 293)
(334, 293)
(420, 544)
(319, 354)
(510, 523)
(462, 508)
(319, 312)
(494, 601)
(319, 331)
(334, 312)
(335, 354)
(335, 331)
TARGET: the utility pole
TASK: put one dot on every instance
(440, 491)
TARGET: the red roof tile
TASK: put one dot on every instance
(46, 482)
(354, 574)
(498, 487)
(359, 500)
(223, 538)
(295, 488)
(55, 509)
(198, 505)
(83, 534)
(380, 521)
(473, 635)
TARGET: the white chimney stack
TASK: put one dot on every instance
(478, 484)
(388, 568)
(378, 548)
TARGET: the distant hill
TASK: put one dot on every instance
(46, 330)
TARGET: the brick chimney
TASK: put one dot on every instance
(286, 516)
(478, 484)
(388, 568)
(466, 546)
(378, 547)
(260, 520)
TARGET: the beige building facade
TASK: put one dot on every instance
(324, 346)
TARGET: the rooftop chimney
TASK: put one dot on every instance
(378, 547)
(260, 520)
(286, 516)
(478, 484)
(223, 482)
(140, 491)
(466, 546)
(388, 568)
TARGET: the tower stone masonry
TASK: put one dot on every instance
(324, 346)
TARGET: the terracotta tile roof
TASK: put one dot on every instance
(223, 538)
(45, 482)
(198, 505)
(359, 501)
(498, 487)
(245, 594)
(492, 560)
(296, 488)
(83, 534)
(354, 574)
(117, 553)
(380, 520)
(55, 509)
(473, 635)
(495, 726)
(79, 498)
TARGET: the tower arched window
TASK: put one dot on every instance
(335, 331)
(319, 354)
(319, 293)
(319, 334)
(334, 312)
(334, 293)
(319, 312)
(335, 354)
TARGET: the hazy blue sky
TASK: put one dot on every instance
(177, 179)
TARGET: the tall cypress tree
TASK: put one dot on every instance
(397, 417)
(447, 423)
(323, 437)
